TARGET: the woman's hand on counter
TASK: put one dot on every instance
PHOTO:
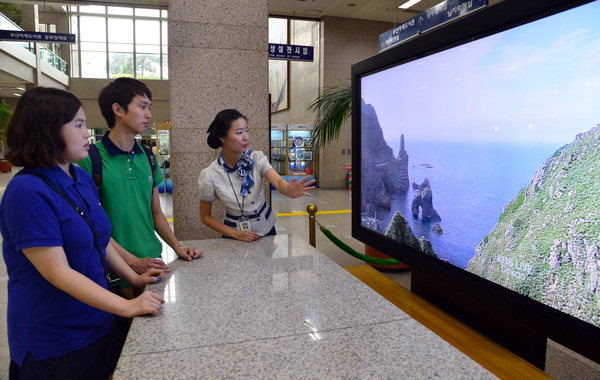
(246, 235)
(145, 303)
(151, 276)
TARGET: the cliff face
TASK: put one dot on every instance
(546, 243)
(377, 149)
(381, 172)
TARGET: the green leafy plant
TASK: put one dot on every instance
(13, 12)
(4, 118)
(5, 115)
(332, 107)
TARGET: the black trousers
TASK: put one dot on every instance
(96, 361)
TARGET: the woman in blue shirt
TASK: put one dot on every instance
(60, 316)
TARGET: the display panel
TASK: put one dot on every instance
(485, 155)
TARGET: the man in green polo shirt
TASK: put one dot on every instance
(129, 191)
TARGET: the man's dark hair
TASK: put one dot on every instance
(220, 126)
(120, 91)
(33, 134)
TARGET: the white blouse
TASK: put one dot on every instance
(214, 184)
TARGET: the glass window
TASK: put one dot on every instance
(118, 43)
(74, 25)
(93, 64)
(120, 47)
(120, 65)
(278, 30)
(147, 66)
(164, 14)
(147, 12)
(92, 29)
(165, 34)
(93, 46)
(120, 30)
(147, 32)
(75, 63)
(99, 9)
(74, 48)
(147, 48)
(120, 11)
(302, 32)
(165, 66)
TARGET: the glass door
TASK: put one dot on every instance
(278, 149)
(299, 154)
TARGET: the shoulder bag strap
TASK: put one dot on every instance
(96, 160)
(80, 211)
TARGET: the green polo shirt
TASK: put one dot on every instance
(127, 185)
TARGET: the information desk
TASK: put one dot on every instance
(278, 308)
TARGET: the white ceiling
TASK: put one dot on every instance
(377, 10)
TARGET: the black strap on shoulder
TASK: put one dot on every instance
(151, 160)
(96, 168)
(77, 209)
(96, 160)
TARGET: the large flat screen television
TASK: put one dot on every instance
(476, 150)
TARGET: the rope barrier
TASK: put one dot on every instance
(349, 250)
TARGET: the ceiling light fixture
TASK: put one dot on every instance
(408, 4)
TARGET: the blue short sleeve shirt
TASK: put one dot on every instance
(43, 319)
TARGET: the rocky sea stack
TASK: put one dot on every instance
(423, 200)
(399, 230)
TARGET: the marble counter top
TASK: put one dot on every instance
(278, 308)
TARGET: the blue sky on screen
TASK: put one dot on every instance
(539, 83)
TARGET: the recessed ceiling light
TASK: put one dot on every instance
(408, 4)
(15, 94)
(20, 88)
(312, 12)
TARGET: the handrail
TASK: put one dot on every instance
(11, 24)
(46, 54)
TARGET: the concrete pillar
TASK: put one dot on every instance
(217, 59)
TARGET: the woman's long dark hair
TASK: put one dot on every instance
(33, 134)
(220, 126)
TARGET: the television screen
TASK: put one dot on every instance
(486, 156)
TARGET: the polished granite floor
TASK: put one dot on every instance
(561, 363)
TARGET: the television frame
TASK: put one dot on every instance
(515, 321)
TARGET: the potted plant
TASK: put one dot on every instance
(332, 107)
(5, 113)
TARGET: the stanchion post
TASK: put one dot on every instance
(312, 234)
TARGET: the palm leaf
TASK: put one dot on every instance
(332, 107)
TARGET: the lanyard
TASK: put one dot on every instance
(236, 197)
(81, 213)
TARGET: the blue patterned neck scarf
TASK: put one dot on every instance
(244, 168)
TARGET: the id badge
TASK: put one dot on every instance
(244, 225)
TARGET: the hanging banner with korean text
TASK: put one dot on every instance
(22, 35)
(291, 52)
(431, 18)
